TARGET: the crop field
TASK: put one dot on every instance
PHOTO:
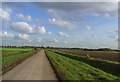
(103, 55)
(11, 56)
(74, 68)
(105, 65)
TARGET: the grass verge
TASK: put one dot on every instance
(13, 56)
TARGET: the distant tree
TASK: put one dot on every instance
(48, 47)
(35, 48)
(42, 46)
(104, 49)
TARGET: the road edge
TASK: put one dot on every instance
(58, 76)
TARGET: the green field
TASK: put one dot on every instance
(11, 56)
(72, 69)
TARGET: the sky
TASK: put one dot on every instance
(60, 24)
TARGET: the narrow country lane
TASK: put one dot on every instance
(36, 67)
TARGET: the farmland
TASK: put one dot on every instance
(103, 55)
(11, 56)
(73, 68)
(69, 64)
(105, 65)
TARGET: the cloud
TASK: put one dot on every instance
(96, 14)
(41, 30)
(114, 34)
(27, 18)
(24, 27)
(114, 37)
(9, 10)
(88, 27)
(107, 15)
(96, 7)
(39, 40)
(4, 15)
(73, 14)
(24, 17)
(56, 13)
(49, 33)
(55, 40)
(65, 42)
(6, 35)
(94, 35)
(22, 37)
(63, 34)
(62, 23)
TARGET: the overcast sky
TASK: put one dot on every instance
(60, 24)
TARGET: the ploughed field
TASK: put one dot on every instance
(12, 56)
(103, 55)
(70, 66)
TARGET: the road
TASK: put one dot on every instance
(36, 67)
